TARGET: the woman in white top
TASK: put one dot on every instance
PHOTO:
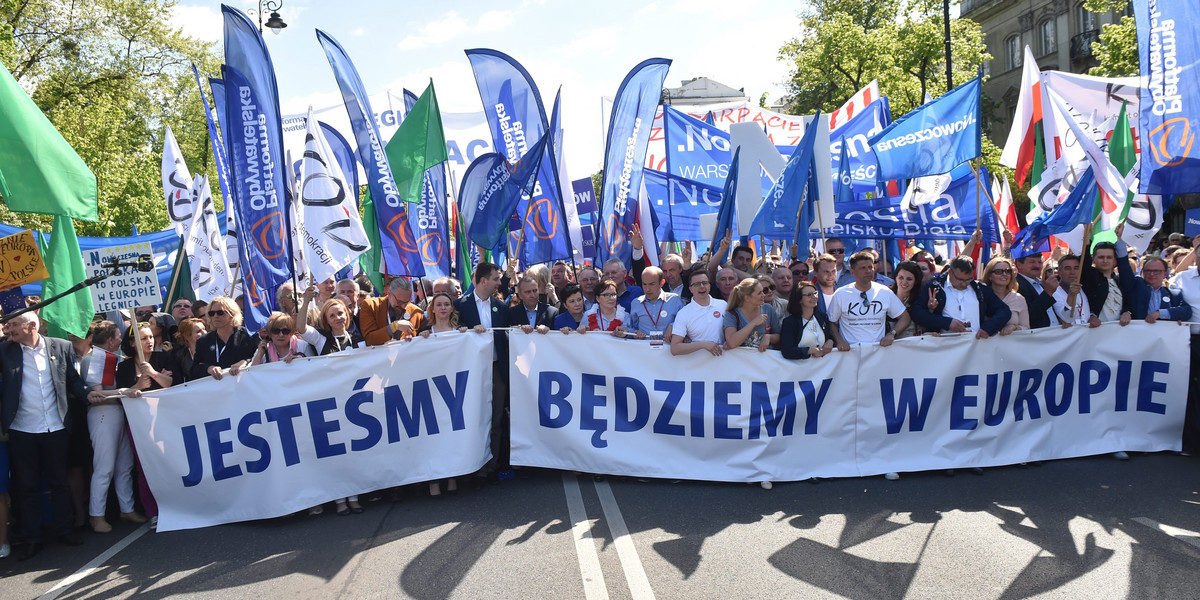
(805, 332)
(999, 273)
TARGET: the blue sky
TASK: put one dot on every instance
(586, 47)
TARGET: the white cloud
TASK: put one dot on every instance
(200, 22)
(594, 42)
(645, 10)
(452, 25)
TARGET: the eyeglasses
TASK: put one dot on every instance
(181, 305)
(216, 312)
(799, 273)
(608, 295)
(281, 331)
(814, 295)
(836, 250)
(1002, 271)
(696, 283)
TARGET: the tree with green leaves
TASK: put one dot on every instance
(1117, 49)
(110, 74)
(844, 44)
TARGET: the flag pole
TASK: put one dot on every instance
(820, 222)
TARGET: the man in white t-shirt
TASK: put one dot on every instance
(699, 321)
(858, 313)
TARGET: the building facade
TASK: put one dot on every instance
(1060, 34)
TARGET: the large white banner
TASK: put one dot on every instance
(280, 438)
(598, 404)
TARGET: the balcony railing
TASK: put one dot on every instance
(969, 6)
(1081, 45)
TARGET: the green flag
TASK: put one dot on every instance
(73, 313)
(39, 171)
(1122, 153)
(417, 145)
(181, 280)
(369, 260)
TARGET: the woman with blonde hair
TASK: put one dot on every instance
(442, 317)
(748, 320)
(546, 292)
(227, 346)
(1000, 274)
(279, 342)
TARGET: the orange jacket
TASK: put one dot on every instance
(373, 320)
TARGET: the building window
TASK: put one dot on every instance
(1047, 36)
(1012, 52)
(1086, 19)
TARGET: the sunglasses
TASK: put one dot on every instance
(863, 295)
(182, 306)
(281, 331)
(837, 250)
(219, 313)
(1002, 271)
(814, 295)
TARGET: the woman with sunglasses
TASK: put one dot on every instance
(999, 274)
(227, 346)
(748, 320)
(279, 343)
(805, 332)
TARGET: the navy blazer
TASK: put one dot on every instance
(1038, 302)
(790, 334)
(518, 316)
(468, 316)
(1172, 302)
(993, 312)
(1095, 287)
(68, 385)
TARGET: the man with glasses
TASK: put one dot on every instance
(964, 305)
(699, 321)
(588, 280)
(1038, 294)
(858, 313)
(1153, 300)
(181, 309)
(800, 272)
(836, 248)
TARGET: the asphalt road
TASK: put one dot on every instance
(1084, 528)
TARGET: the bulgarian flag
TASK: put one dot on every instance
(1019, 149)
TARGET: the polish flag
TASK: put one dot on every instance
(1006, 211)
(1018, 150)
(856, 103)
(102, 369)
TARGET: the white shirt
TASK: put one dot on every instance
(962, 305)
(864, 322)
(701, 322)
(1187, 283)
(37, 411)
(1081, 314)
(484, 307)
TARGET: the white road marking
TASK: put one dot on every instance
(635, 574)
(589, 562)
(94, 564)
(1190, 538)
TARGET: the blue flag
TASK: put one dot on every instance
(776, 216)
(679, 203)
(218, 146)
(853, 137)
(934, 138)
(726, 216)
(343, 152)
(428, 219)
(400, 253)
(625, 156)
(1169, 61)
(951, 217)
(516, 117)
(1077, 209)
(491, 189)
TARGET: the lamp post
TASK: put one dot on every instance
(274, 23)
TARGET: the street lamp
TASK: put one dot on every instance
(274, 23)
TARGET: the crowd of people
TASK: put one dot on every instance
(63, 428)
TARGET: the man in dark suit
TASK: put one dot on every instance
(481, 307)
(529, 312)
(964, 305)
(1109, 262)
(41, 389)
(1153, 300)
(1038, 295)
